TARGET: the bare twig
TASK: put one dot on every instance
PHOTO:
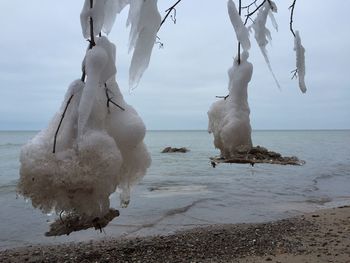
(247, 16)
(295, 73)
(168, 12)
(160, 43)
(109, 99)
(222, 97)
(291, 17)
(59, 125)
(251, 4)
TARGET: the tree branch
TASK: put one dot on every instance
(168, 12)
(291, 17)
(239, 43)
(92, 42)
(109, 99)
(59, 125)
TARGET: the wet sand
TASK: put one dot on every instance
(322, 236)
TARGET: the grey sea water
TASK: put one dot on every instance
(183, 191)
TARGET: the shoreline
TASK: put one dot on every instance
(320, 236)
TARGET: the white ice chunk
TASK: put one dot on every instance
(97, 13)
(229, 119)
(263, 35)
(109, 69)
(300, 61)
(133, 21)
(112, 8)
(128, 130)
(96, 60)
(148, 25)
(242, 32)
(69, 180)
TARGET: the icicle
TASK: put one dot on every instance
(300, 61)
(143, 37)
(112, 8)
(242, 32)
(263, 35)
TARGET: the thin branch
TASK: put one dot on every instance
(168, 12)
(248, 6)
(109, 99)
(59, 125)
(291, 17)
(222, 97)
(295, 73)
(92, 37)
(239, 43)
(254, 11)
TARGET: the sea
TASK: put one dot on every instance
(183, 191)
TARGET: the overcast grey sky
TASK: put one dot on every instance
(42, 48)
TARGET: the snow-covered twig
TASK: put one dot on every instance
(91, 40)
(59, 125)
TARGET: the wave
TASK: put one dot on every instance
(8, 187)
(10, 145)
(175, 190)
(169, 213)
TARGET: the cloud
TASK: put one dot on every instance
(43, 49)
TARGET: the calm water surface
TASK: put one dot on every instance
(183, 191)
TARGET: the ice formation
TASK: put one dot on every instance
(143, 35)
(99, 147)
(229, 118)
(300, 61)
(242, 32)
(144, 21)
(262, 33)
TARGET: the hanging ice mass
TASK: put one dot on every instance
(229, 120)
(93, 145)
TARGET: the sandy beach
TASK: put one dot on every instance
(322, 236)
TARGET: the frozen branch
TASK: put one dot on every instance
(59, 125)
(91, 41)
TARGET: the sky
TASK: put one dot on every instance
(42, 48)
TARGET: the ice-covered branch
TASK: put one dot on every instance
(59, 125)
(168, 12)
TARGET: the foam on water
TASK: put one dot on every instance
(182, 191)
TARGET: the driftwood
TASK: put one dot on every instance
(175, 150)
(255, 155)
(72, 222)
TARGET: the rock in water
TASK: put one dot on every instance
(255, 155)
(175, 150)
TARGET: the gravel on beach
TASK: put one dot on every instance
(322, 236)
